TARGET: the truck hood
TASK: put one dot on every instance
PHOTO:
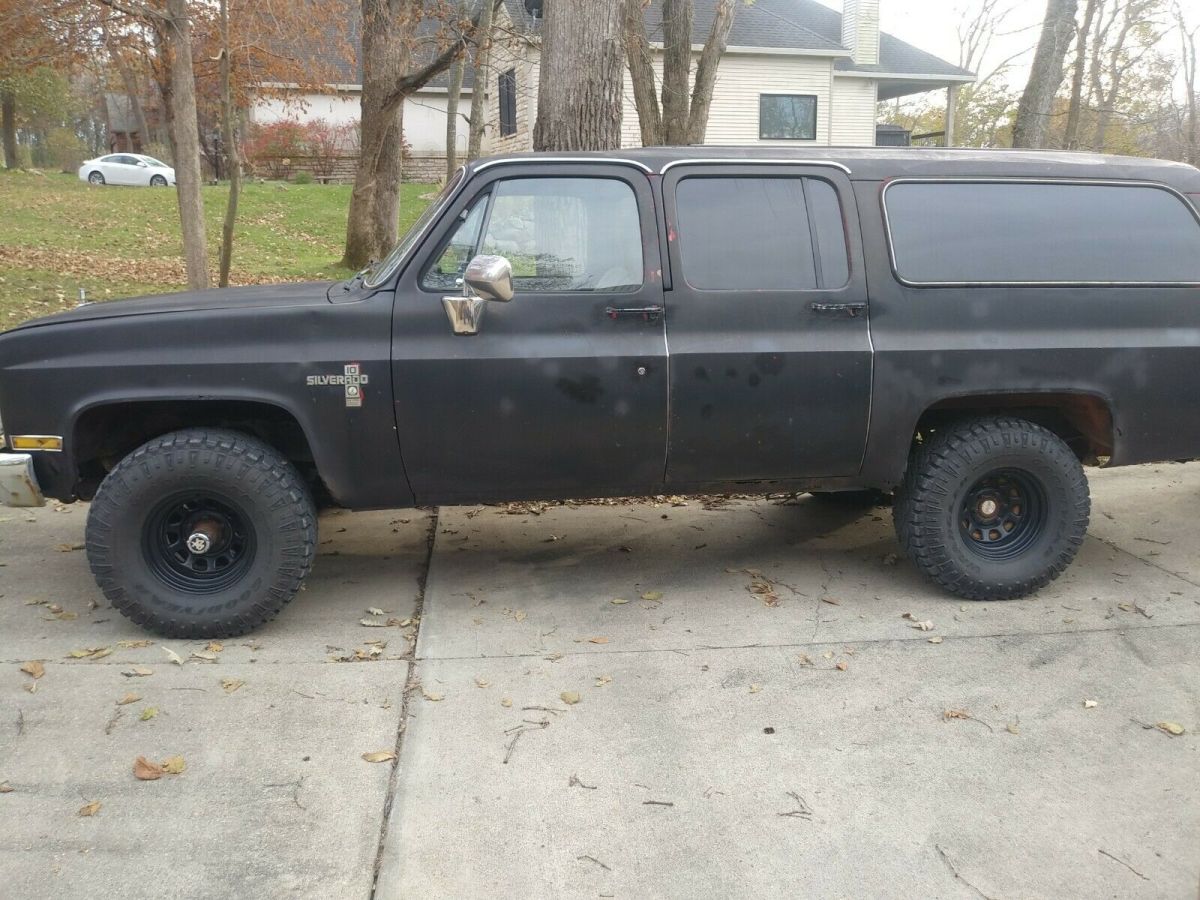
(257, 296)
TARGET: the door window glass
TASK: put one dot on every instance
(447, 270)
(760, 234)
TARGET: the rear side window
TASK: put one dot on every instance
(760, 234)
(962, 232)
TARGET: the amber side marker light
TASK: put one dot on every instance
(35, 442)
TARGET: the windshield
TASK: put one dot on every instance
(383, 270)
(154, 162)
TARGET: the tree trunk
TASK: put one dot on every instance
(1071, 133)
(229, 134)
(385, 223)
(8, 124)
(480, 80)
(706, 71)
(677, 69)
(454, 91)
(178, 33)
(641, 73)
(1191, 149)
(1045, 75)
(579, 89)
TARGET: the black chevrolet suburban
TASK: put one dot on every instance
(963, 329)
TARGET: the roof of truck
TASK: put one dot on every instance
(879, 163)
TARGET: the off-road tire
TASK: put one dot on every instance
(249, 476)
(929, 510)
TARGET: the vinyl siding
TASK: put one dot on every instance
(854, 106)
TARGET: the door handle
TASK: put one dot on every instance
(646, 313)
(850, 309)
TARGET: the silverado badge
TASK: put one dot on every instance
(352, 379)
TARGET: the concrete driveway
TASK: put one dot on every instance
(749, 699)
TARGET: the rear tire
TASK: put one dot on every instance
(992, 508)
(201, 534)
(95, 178)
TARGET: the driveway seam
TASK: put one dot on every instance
(947, 638)
(411, 684)
(1143, 560)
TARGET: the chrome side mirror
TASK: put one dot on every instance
(490, 277)
(487, 278)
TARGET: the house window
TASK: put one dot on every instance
(787, 117)
(508, 102)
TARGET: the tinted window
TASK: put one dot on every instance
(760, 234)
(791, 117)
(1017, 232)
(560, 234)
(508, 102)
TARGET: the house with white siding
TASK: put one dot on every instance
(795, 72)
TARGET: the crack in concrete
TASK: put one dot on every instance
(411, 685)
(1142, 559)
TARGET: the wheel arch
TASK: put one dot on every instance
(103, 433)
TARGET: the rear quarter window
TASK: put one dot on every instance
(1023, 232)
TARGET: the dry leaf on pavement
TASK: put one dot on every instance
(6, 788)
(432, 696)
(653, 596)
(173, 656)
(133, 645)
(34, 669)
(231, 684)
(215, 647)
(173, 765)
(602, 680)
(379, 756)
(1172, 728)
(618, 601)
(598, 640)
(935, 640)
(570, 697)
(137, 672)
(144, 770)
(482, 682)
(755, 688)
(90, 653)
(506, 702)
(842, 665)
(955, 714)
(90, 810)
(1090, 704)
(149, 713)
(128, 698)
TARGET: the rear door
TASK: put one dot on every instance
(563, 391)
(768, 329)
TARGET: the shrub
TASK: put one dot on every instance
(271, 148)
(64, 149)
(302, 178)
(327, 143)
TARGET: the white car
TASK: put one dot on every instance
(127, 168)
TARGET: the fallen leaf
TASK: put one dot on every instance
(1012, 728)
(137, 672)
(602, 680)
(955, 714)
(90, 810)
(804, 659)
(755, 688)
(570, 697)
(149, 713)
(506, 702)
(173, 765)
(935, 640)
(204, 656)
(1090, 704)
(481, 682)
(6, 788)
(67, 548)
(432, 696)
(832, 601)
(144, 770)
(379, 756)
(231, 684)
(618, 601)
(923, 626)
(90, 653)
(133, 645)
(598, 640)
(215, 647)
(842, 666)
(34, 669)
(653, 596)
(828, 654)
(173, 656)
(1172, 728)
(128, 698)
(890, 559)
(373, 623)
(519, 615)
(375, 611)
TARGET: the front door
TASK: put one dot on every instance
(563, 390)
(768, 326)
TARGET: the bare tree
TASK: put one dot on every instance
(1082, 33)
(234, 164)
(1113, 58)
(480, 74)
(682, 117)
(579, 86)
(1045, 75)
(1187, 37)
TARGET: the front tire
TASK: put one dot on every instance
(201, 534)
(95, 178)
(157, 181)
(992, 508)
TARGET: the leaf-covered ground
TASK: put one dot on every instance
(59, 234)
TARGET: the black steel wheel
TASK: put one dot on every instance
(992, 508)
(201, 534)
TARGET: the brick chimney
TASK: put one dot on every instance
(860, 30)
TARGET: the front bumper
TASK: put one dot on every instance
(18, 481)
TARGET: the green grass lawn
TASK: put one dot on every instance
(59, 234)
